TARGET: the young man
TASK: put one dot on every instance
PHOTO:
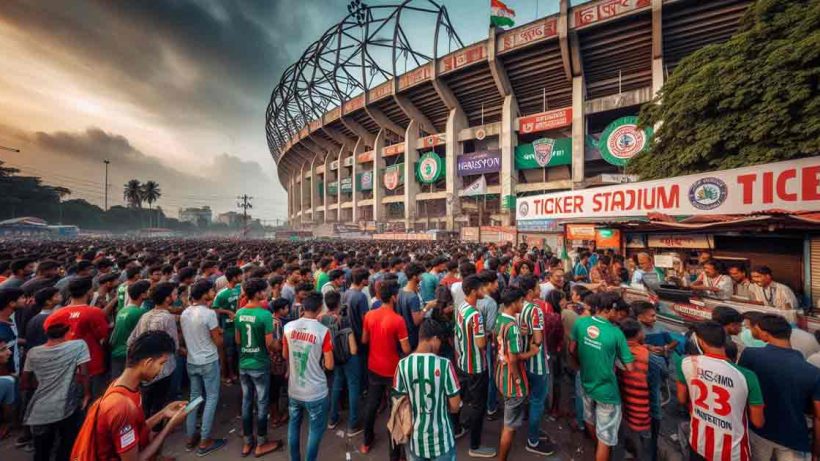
(384, 332)
(254, 335)
(336, 280)
(489, 312)
(471, 362)
(294, 277)
(63, 392)
(510, 374)
(724, 394)
(595, 343)
(409, 304)
(8, 391)
(11, 299)
(226, 304)
(306, 344)
(203, 338)
(712, 282)
(279, 366)
(657, 339)
(121, 431)
(741, 285)
(158, 392)
(336, 320)
(132, 275)
(532, 333)
(431, 385)
(787, 383)
(321, 275)
(635, 394)
(430, 279)
(89, 324)
(21, 270)
(125, 322)
(45, 300)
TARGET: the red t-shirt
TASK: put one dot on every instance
(89, 324)
(385, 328)
(120, 425)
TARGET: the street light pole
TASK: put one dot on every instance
(106, 183)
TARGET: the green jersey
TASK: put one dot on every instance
(122, 295)
(469, 326)
(511, 382)
(599, 344)
(254, 324)
(321, 279)
(124, 323)
(228, 299)
(532, 317)
(428, 381)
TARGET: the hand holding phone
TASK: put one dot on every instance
(193, 404)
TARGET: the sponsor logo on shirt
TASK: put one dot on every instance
(593, 332)
(127, 436)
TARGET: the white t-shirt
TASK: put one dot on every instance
(458, 293)
(305, 341)
(197, 323)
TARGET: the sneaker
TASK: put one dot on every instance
(332, 424)
(492, 415)
(28, 448)
(543, 448)
(216, 445)
(365, 449)
(482, 452)
(542, 435)
(23, 440)
(461, 432)
(354, 431)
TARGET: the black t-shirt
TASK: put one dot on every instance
(35, 333)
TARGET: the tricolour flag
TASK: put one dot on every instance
(500, 15)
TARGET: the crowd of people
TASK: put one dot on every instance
(106, 346)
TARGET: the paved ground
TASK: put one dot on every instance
(573, 446)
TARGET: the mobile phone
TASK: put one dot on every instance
(193, 404)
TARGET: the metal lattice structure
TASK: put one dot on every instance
(366, 48)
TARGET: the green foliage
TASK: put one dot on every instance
(753, 99)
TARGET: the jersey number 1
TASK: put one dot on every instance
(249, 335)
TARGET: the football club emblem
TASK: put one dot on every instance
(708, 193)
(523, 209)
(622, 140)
(543, 148)
(391, 178)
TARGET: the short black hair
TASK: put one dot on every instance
(332, 299)
(725, 315)
(162, 291)
(186, 273)
(335, 274)
(527, 283)
(763, 270)
(44, 294)
(488, 276)
(84, 265)
(79, 286)
(711, 332)
(200, 288)
(387, 290)
(580, 290)
(413, 269)
(276, 280)
(109, 277)
(471, 284)
(752, 316)
(8, 296)
(304, 286)
(138, 288)
(630, 327)
(279, 304)
(466, 269)
(511, 295)
(312, 303)
(19, 264)
(609, 300)
(232, 273)
(150, 345)
(359, 275)
(57, 331)
(430, 329)
(639, 307)
(132, 272)
(253, 286)
(775, 325)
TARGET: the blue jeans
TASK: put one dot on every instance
(449, 456)
(538, 398)
(255, 382)
(350, 373)
(203, 377)
(178, 377)
(492, 389)
(579, 400)
(317, 423)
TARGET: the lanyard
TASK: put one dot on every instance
(768, 294)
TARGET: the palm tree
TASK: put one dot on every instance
(151, 193)
(132, 193)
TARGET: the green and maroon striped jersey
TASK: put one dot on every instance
(532, 319)
(508, 336)
(469, 327)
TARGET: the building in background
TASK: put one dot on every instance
(232, 219)
(201, 217)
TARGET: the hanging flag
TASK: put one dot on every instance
(500, 15)
(479, 187)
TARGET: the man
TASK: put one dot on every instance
(471, 342)
(158, 392)
(409, 304)
(21, 269)
(124, 323)
(465, 270)
(302, 291)
(724, 395)
(712, 283)
(790, 386)
(121, 430)
(45, 300)
(431, 385)
(580, 273)
(510, 375)
(11, 299)
(254, 335)
(732, 323)
(48, 273)
(384, 333)
(105, 297)
(226, 304)
(357, 304)
(132, 275)
(741, 285)
(336, 280)
(657, 338)
(600, 270)
(595, 343)
(87, 323)
(305, 345)
(767, 292)
(8, 391)
(645, 266)
(636, 392)
(321, 275)
(489, 312)
(203, 338)
(294, 277)
(82, 269)
(63, 392)
(532, 334)
(555, 282)
(430, 279)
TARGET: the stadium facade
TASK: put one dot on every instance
(458, 138)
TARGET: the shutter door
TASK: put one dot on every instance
(815, 271)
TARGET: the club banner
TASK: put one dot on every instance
(429, 168)
(788, 186)
(393, 176)
(347, 185)
(478, 187)
(364, 181)
(480, 162)
(333, 188)
(622, 140)
(544, 153)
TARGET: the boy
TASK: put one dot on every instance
(125, 322)
(656, 337)
(226, 304)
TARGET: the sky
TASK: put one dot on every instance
(168, 90)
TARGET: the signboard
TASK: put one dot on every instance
(622, 140)
(430, 168)
(480, 162)
(544, 121)
(580, 231)
(463, 57)
(788, 186)
(523, 36)
(394, 176)
(365, 157)
(432, 140)
(692, 241)
(636, 240)
(354, 104)
(348, 161)
(421, 74)
(385, 89)
(333, 114)
(469, 234)
(607, 238)
(508, 202)
(333, 188)
(543, 153)
(606, 9)
(364, 180)
(392, 150)
(540, 225)
(347, 185)
(477, 188)
(334, 165)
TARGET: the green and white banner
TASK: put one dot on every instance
(622, 140)
(544, 153)
(429, 168)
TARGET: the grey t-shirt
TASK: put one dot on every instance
(197, 322)
(162, 320)
(489, 311)
(58, 394)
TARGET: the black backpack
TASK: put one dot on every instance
(340, 333)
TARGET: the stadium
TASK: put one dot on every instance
(378, 130)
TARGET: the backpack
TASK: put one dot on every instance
(400, 423)
(85, 444)
(339, 333)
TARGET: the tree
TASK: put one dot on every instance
(62, 193)
(132, 193)
(150, 193)
(750, 100)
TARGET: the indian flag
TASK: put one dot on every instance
(501, 16)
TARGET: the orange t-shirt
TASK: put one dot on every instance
(120, 425)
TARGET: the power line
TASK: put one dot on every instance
(245, 204)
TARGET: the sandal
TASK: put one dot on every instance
(268, 447)
(247, 448)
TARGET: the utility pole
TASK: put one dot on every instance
(106, 161)
(244, 203)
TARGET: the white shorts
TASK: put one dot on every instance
(606, 417)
